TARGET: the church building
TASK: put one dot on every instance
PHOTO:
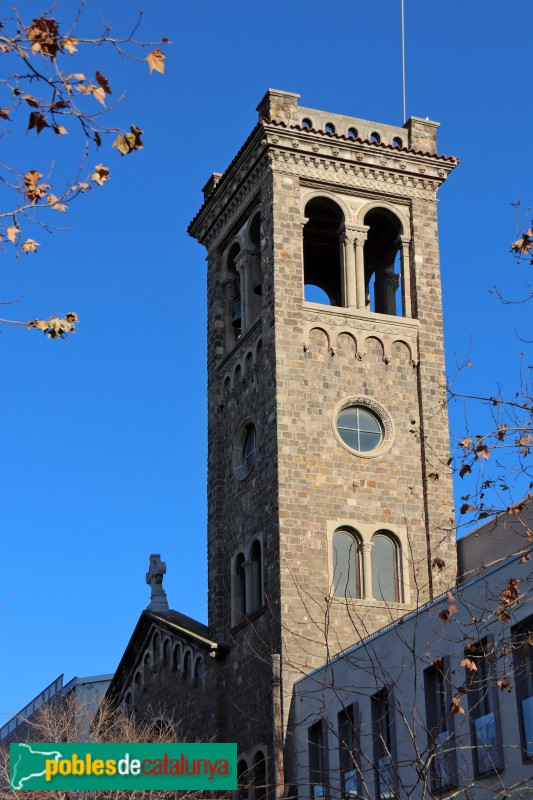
(330, 505)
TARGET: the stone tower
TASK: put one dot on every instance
(328, 488)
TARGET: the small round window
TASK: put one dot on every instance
(359, 428)
(244, 449)
(363, 426)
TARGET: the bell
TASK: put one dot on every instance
(258, 289)
(236, 318)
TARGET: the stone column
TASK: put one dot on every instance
(406, 276)
(366, 549)
(230, 298)
(360, 240)
(347, 239)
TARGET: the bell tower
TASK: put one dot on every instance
(330, 499)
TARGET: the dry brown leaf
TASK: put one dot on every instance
(469, 664)
(52, 200)
(56, 327)
(505, 683)
(60, 130)
(465, 470)
(100, 174)
(465, 442)
(34, 190)
(37, 121)
(482, 451)
(99, 93)
(126, 143)
(438, 562)
(12, 232)
(156, 61)
(456, 707)
(4, 113)
(44, 35)
(103, 82)
(30, 246)
(69, 44)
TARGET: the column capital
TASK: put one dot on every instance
(366, 547)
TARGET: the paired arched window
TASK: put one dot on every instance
(323, 281)
(385, 560)
(347, 572)
(340, 271)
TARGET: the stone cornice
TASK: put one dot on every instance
(354, 164)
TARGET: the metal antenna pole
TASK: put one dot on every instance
(403, 61)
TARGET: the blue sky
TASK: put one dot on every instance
(104, 435)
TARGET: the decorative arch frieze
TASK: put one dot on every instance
(360, 337)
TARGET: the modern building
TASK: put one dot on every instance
(86, 692)
(440, 702)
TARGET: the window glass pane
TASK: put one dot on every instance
(350, 438)
(368, 422)
(249, 449)
(384, 578)
(348, 418)
(345, 565)
(368, 441)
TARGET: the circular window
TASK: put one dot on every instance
(363, 427)
(244, 449)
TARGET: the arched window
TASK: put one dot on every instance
(242, 780)
(386, 568)
(187, 666)
(128, 702)
(256, 576)
(352, 133)
(166, 652)
(307, 124)
(346, 564)
(329, 127)
(397, 142)
(147, 669)
(382, 261)
(198, 671)
(176, 658)
(137, 686)
(322, 251)
(259, 776)
(238, 580)
(155, 648)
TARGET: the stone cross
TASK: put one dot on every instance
(154, 576)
